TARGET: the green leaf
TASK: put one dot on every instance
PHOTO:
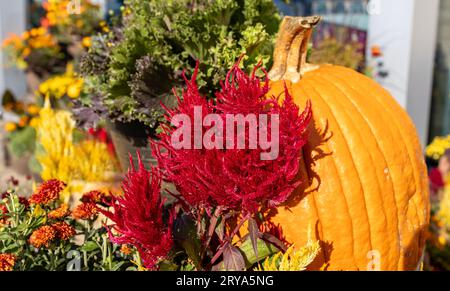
(253, 232)
(168, 266)
(89, 246)
(265, 249)
(22, 141)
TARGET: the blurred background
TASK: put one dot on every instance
(403, 44)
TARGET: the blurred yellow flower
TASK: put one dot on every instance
(74, 89)
(34, 122)
(87, 42)
(10, 126)
(443, 215)
(63, 159)
(33, 109)
(62, 85)
(292, 260)
(438, 147)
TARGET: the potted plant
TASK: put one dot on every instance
(132, 69)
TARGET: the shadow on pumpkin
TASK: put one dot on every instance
(312, 152)
(414, 252)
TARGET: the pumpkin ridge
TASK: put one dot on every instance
(329, 79)
(357, 169)
(408, 200)
(306, 82)
(418, 187)
(423, 174)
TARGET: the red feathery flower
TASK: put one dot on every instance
(138, 215)
(43, 236)
(63, 230)
(7, 262)
(234, 178)
(47, 192)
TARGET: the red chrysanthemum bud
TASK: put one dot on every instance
(3, 214)
(235, 178)
(138, 215)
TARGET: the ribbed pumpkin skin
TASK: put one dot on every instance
(365, 181)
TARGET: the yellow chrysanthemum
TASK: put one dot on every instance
(87, 42)
(443, 215)
(62, 85)
(292, 260)
(10, 126)
(438, 147)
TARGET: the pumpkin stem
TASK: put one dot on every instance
(291, 48)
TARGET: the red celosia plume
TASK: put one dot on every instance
(138, 215)
(236, 179)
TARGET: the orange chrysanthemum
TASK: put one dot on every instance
(63, 230)
(7, 262)
(85, 211)
(47, 192)
(43, 236)
(60, 213)
(126, 250)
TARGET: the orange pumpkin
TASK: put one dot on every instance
(365, 188)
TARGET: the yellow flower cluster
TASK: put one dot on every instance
(57, 12)
(444, 207)
(438, 147)
(292, 260)
(27, 119)
(63, 159)
(20, 47)
(64, 85)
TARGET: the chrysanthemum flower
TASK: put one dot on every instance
(59, 213)
(235, 179)
(96, 197)
(63, 230)
(47, 192)
(126, 250)
(7, 262)
(85, 211)
(138, 216)
(43, 236)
